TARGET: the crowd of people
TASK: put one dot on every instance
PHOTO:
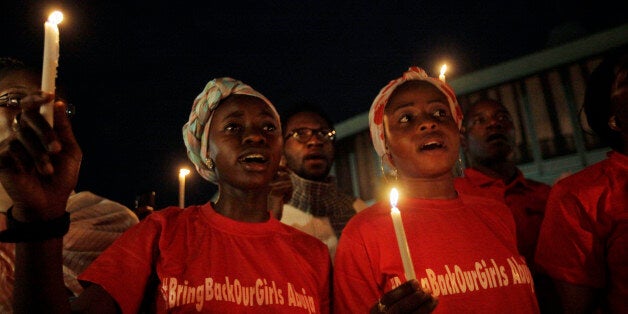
(282, 238)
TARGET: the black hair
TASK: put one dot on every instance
(597, 98)
(472, 105)
(303, 106)
(9, 64)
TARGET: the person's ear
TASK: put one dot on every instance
(387, 155)
(390, 158)
(612, 123)
(283, 162)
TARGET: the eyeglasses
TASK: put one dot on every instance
(303, 135)
(13, 101)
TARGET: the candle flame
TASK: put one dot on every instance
(394, 197)
(183, 172)
(443, 69)
(55, 17)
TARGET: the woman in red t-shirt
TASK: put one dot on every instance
(228, 256)
(463, 248)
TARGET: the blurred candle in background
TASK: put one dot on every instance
(182, 173)
(443, 69)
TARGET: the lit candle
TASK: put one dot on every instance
(442, 72)
(401, 236)
(51, 60)
(182, 173)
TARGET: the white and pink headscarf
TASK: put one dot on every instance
(196, 130)
(376, 114)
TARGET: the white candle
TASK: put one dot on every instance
(401, 236)
(51, 60)
(442, 72)
(182, 173)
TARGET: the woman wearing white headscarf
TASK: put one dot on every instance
(462, 248)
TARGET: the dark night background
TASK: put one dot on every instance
(133, 68)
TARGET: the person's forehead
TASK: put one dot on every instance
(306, 119)
(242, 105)
(408, 92)
(487, 106)
(411, 86)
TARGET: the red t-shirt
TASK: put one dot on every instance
(205, 262)
(584, 237)
(463, 250)
(526, 199)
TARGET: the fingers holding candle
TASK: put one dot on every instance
(34, 134)
(407, 298)
(38, 164)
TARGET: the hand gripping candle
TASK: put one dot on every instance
(401, 236)
(51, 60)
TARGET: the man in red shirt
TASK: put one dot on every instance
(489, 144)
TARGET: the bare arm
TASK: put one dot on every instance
(39, 284)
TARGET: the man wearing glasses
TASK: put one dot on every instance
(317, 207)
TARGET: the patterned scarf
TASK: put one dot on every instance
(376, 113)
(196, 130)
(322, 199)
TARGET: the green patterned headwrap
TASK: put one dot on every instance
(196, 130)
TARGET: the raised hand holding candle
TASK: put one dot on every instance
(51, 60)
(182, 173)
(443, 69)
(404, 251)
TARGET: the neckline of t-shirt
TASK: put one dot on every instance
(431, 204)
(229, 225)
